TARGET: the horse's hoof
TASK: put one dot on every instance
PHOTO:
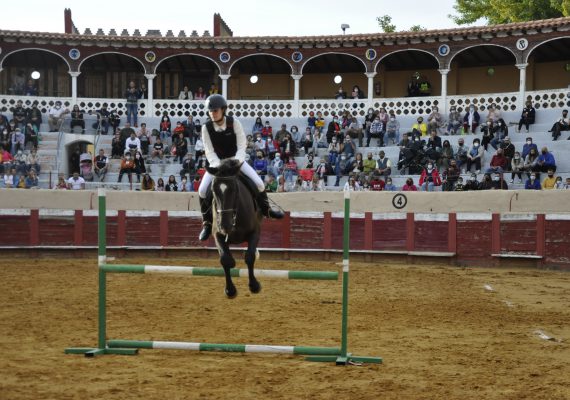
(255, 287)
(231, 293)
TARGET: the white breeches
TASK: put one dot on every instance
(246, 169)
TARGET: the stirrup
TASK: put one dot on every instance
(206, 231)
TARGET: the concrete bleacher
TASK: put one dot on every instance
(48, 148)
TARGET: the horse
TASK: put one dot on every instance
(236, 219)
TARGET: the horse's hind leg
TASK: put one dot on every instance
(250, 256)
(228, 263)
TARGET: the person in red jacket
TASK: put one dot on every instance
(429, 178)
(498, 163)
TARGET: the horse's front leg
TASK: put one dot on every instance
(228, 263)
(250, 256)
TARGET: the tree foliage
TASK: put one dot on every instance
(385, 23)
(507, 11)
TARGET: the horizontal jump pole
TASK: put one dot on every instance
(200, 271)
(231, 348)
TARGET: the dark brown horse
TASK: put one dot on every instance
(237, 219)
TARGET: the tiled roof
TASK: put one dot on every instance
(299, 40)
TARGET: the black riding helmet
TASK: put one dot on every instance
(216, 101)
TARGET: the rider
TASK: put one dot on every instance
(224, 137)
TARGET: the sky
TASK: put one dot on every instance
(244, 17)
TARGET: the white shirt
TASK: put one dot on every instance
(57, 112)
(135, 142)
(241, 142)
(76, 184)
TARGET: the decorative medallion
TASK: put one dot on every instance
(150, 56)
(74, 54)
(224, 56)
(522, 44)
(443, 50)
(297, 56)
(371, 54)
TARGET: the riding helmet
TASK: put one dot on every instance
(216, 101)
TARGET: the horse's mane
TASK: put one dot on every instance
(228, 167)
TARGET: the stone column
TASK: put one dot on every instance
(149, 101)
(224, 79)
(370, 76)
(443, 101)
(74, 76)
(296, 94)
(522, 85)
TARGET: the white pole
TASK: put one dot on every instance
(443, 102)
(522, 85)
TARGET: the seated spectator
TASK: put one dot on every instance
(271, 146)
(376, 130)
(287, 146)
(158, 149)
(271, 184)
(498, 163)
(266, 130)
(296, 136)
(114, 120)
(508, 151)
(171, 185)
(165, 128)
(18, 141)
(178, 130)
(185, 186)
(558, 185)
(446, 155)
(354, 130)
(333, 130)
(319, 121)
(101, 165)
(185, 94)
(450, 176)
(199, 147)
(76, 182)
(34, 116)
(140, 167)
(435, 120)
(19, 114)
(181, 148)
(322, 170)
(77, 119)
(86, 166)
(459, 186)
(409, 185)
(531, 161)
(257, 127)
(333, 151)
(392, 130)
(127, 167)
(32, 181)
(103, 123)
(311, 120)
(213, 89)
(11, 178)
(389, 186)
(147, 184)
(357, 93)
(419, 128)
(275, 167)
(289, 169)
(56, 115)
(31, 88)
(281, 133)
(494, 114)
(117, 150)
(429, 178)
(144, 137)
(369, 164)
(517, 167)
(33, 162)
(453, 121)
(383, 165)
(260, 163)
(434, 146)
(159, 185)
(188, 165)
(486, 183)
(545, 161)
(549, 182)
(200, 94)
(475, 157)
(340, 94)
(499, 183)
(341, 167)
(567, 184)
(527, 116)
(501, 133)
(132, 144)
(21, 184)
(488, 131)
(352, 185)
(19, 162)
(563, 124)
(471, 120)
(527, 146)
(473, 183)
(61, 183)
(376, 184)
(356, 166)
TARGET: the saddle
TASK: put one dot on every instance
(248, 183)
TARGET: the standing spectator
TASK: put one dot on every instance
(563, 124)
(76, 182)
(143, 92)
(56, 115)
(508, 151)
(31, 136)
(517, 166)
(101, 165)
(471, 120)
(127, 167)
(185, 94)
(77, 119)
(550, 181)
(132, 94)
(527, 116)
(532, 183)
(213, 89)
(475, 157)
(429, 178)
(117, 149)
(357, 93)
(190, 129)
(453, 121)
(409, 185)
(31, 88)
(171, 185)
(281, 133)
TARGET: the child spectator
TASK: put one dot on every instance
(409, 186)
(171, 185)
(532, 183)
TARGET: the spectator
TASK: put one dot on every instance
(290, 169)
(333, 151)
(450, 176)
(567, 184)
(471, 120)
(32, 181)
(31, 88)
(527, 146)
(333, 130)
(132, 94)
(190, 129)
(20, 163)
(341, 167)
(31, 136)
(563, 124)
(117, 150)
(185, 186)
(461, 153)
(498, 163)
(296, 136)
(517, 166)
(171, 185)
(473, 183)
(501, 133)
(213, 89)
(499, 183)
(393, 130)
(453, 121)
(340, 94)
(159, 185)
(34, 116)
(558, 185)
(10, 178)
(545, 161)
(307, 142)
(435, 120)
(21, 184)
(257, 127)
(319, 140)
(486, 183)
(459, 186)
(409, 185)
(475, 157)
(389, 186)
(275, 168)
(143, 136)
(419, 128)
(33, 162)
(6, 160)
(508, 151)
(356, 166)
(200, 94)
(143, 92)
(282, 133)
(384, 118)
(19, 114)
(101, 165)
(527, 116)
(494, 114)
(319, 121)
(199, 147)
(357, 93)
(429, 178)
(383, 165)
(322, 170)
(369, 164)
(266, 130)
(76, 182)
(375, 130)
(446, 155)
(376, 184)
(61, 184)
(188, 165)
(311, 121)
(140, 167)
(181, 148)
(185, 94)
(354, 130)
(352, 184)
(287, 146)
(86, 166)
(165, 128)
(434, 146)
(127, 167)
(348, 148)
(18, 141)
(488, 131)
(531, 160)
(271, 184)
(77, 119)
(550, 181)
(260, 163)
(147, 184)
(103, 120)
(272, 146)
(56, 115)
(132, 144)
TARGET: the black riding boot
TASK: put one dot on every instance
(206, 209)
(266, 209)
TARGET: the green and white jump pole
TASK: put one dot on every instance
(130, 347)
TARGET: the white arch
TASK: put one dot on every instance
(186, 54)
(332, 52)
(34, 48)
(259, 54)
(480, 45)
(399, 51)
(540, 44)
(111, 52)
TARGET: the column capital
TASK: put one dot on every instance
(370, 74)
(224, 77)
(444, 71)
(521, 66)
(74, 74)
(150, 77)
(296, 77)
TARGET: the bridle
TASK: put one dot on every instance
(228, 210)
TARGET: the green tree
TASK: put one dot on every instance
(385, 23)
(507, 11)
(417, 28)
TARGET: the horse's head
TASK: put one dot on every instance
(226, 194)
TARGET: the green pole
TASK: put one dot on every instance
(102, 259)
(345, 269)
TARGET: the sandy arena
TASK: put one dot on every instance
(442, 334)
